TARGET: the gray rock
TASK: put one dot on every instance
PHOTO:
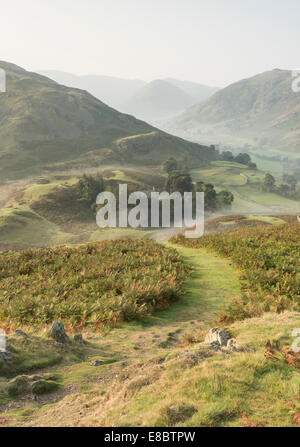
(96, 363)
(215, 345)
(217, 335)
(232, 344)
(58, 332)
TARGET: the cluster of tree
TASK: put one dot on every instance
(180, 181)
(241, 158)
(287, 189)
(88, 187)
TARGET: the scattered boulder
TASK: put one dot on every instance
(217, 336)
(232, 344)
(58, 332)
(215, 345)
(220, 340)
(96, 363)
(78, 338)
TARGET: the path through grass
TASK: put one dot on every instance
(147, 371)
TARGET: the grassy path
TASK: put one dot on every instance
(147, 371)
(212, 283)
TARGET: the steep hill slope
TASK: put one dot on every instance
(261, 111)
(43, 123)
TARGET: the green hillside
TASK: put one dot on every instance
(44, 125)
(262, 112)
(246, 185)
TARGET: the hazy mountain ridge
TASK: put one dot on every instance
(43, 123)
(261, 111)
(111, 90)
(155, 100)
(198, 92)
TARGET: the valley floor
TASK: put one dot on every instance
(156, 372)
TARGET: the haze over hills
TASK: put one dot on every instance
(112, 91)
(153, 101)
(43, 123)
(262, 112)
(157, 100)
(197, 91)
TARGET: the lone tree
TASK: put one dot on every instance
(225, 199)
(170, 165)
(269, 183)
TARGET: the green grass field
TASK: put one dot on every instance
(245, 184)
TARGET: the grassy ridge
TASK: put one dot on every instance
(269, 258)
(97, 284)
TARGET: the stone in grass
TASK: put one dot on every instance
(97, 363)
(215, 345)
(58, 332)
(44, 386)
(232, 344)
(217, 337)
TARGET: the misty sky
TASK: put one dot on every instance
(213, 42)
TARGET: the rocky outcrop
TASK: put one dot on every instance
(58, 332)
(220, 338)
